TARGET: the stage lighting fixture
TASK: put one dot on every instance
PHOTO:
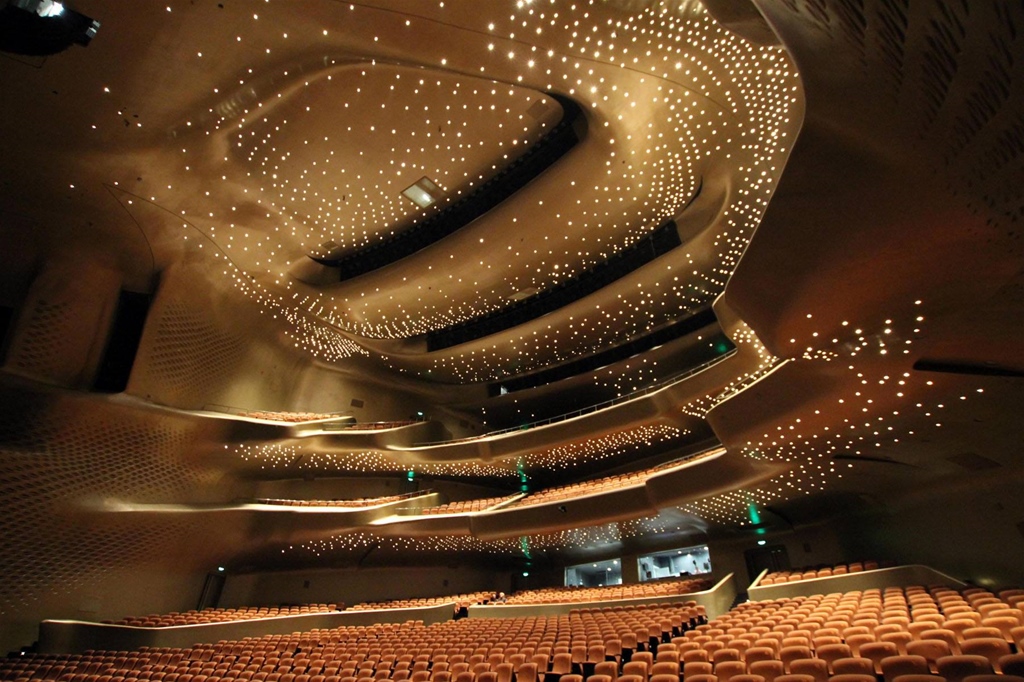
(43, 27)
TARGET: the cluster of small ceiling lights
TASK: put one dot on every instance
(585, 537)
(633, 312)
(595, 536)
(269, 455)
(859, 423)
(305, 329)
(654, 525)
(362, 541)
(338, 187)
(606, 483)
(732, 507)
(304, 459)
(855, 424)
(628, 378)
(747, 342)
(620, 444)
(312, 157)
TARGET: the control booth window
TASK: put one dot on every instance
(675, 562)
(594, 574)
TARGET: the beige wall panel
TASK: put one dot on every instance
(64, 322)
(203, 346)
(111, 595)
(352, 586)
(70, 464)
(322, 389)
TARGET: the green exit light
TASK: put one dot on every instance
(410, 475)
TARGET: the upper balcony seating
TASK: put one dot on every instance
(461, 601)
(360, 502)
(216, 615)
(809, 572)
(298, 417)
(466, 506)
(293, 417)
(593, 487)
(561, 595)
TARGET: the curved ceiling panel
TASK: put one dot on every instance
(333, 154)
(449, 210)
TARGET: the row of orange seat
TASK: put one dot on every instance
(655, 588)
(288, 416)
(889, 634)
(298, 417)
(223, 615)
(564, 492)
(467, 650)
(358, 502)
(378, 426)
(592, 487)
(658, 588)
(461, 600)
(809, 572)
(464, 506)
(573, 490)
(880, 633)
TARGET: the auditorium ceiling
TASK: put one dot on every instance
(838, 304)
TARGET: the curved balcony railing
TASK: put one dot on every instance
(673, 379)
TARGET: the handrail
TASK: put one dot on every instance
(665, 383)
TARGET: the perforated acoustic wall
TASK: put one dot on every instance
(65, 457)
(45, 326)
(190, 354)
(63, 323)
(187, 349)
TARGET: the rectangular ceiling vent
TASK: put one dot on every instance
(423, 192)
